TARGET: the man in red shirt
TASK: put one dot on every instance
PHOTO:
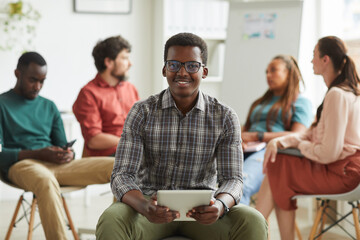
(103, 103)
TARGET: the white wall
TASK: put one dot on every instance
(310, 33)
(320, 18)
(66, 40)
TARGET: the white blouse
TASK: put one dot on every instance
(337, 134)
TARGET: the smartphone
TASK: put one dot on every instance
(69, 144)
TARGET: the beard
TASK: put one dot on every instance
(121, 78)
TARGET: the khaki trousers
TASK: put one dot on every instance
(120, 221)
(44, 180)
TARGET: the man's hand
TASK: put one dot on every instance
(159, 214)
(207, 214)
(54, 154)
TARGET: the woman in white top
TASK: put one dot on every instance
(331, 147)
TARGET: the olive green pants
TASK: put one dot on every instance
(120, 221)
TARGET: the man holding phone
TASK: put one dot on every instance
(69, 144)
(33, 138)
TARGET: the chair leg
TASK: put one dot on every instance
(317, 220)
(297, 230)
(268, 222)
(12, 223)
(32, 216)
(76, 237)
(356, 222)
(324, 216)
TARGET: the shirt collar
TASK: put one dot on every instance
(102, 83)
(22, 98)
(168, 100)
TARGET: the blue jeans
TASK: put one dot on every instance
(252, 175)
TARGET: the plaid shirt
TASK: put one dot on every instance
(160, 148)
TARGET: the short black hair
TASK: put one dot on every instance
(109, 48)
(187, 39)
(30, 57)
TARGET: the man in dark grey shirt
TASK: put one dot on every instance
(180, 139)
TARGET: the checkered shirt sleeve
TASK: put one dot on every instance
(161, 148)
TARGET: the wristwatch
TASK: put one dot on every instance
(260, 136)
(226, 208)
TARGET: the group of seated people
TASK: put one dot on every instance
(182, 138)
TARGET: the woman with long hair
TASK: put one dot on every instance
(331, 147)
(280, 111)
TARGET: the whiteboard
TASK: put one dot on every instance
(257, 31)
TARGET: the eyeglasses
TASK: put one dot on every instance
(190, 67)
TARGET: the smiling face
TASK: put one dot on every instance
(182, 84)
(277, 76)
(30, 80)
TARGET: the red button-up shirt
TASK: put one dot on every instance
(101, 108)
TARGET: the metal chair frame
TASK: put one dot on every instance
(32, 208)
(323, 214)
(26, 207)
(352, 198)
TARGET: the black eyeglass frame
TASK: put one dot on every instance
(183, 64)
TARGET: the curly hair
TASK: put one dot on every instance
(187, 39)
(109, 48)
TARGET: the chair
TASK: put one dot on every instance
(322, 214)
(31, 208)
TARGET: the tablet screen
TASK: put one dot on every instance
(291, 151)
(183, 200)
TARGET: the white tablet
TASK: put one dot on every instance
(183, 200)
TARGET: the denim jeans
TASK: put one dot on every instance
(252, 175)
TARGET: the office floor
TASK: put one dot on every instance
(86, 217)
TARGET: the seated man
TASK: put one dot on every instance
(102, 104)
(180, 139)
(32, 134)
